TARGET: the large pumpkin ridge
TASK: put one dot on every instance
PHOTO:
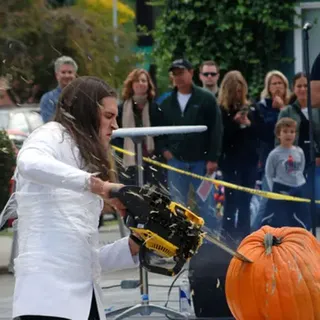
(268, 287)
(309, 275)
(258, 287)
(290, 291)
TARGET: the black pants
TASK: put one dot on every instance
(282, 213)
(93, 315)
(238, 201)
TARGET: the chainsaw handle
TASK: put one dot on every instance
(154, 269)
(114, 193)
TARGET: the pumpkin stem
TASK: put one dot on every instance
(269, 241)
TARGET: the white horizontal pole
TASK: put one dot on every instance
(156, 131)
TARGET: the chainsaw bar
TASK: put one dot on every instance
(219, 243)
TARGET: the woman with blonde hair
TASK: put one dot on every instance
(239, 156)
(274, 97)
(138, 109)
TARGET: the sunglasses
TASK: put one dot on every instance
(207, 74)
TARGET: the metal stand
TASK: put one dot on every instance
(145, 308)
(122, 229)
(313, 208)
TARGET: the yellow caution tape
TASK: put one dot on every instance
(265, 194)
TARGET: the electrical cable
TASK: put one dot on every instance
(170, 289)
(151, 285)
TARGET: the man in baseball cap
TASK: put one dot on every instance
(198, 152)
(181, 64)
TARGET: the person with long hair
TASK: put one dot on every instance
(137, 109)
(315, 83)
(239, 157)
(298, 111)
(63, 178)
(275, 96)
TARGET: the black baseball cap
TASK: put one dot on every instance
(181, 64)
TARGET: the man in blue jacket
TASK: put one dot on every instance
(65, 71)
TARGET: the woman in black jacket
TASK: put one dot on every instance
(239, 158)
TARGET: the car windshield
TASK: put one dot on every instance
(4, 120)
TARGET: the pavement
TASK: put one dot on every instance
(5, 249)
(115, 297)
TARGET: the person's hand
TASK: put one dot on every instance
(117, 205)
(103, 189)
(318, 162)
(242, 118)
(211, 167)
(113, 202)
(277, 102)
(107, 207)
(167, 155)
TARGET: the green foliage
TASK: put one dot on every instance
(245, 35)
(33, 35)
(7, 163)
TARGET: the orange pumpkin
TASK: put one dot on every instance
(282, 283)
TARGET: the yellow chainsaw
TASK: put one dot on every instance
(168, 233)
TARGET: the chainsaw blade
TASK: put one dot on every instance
(216, 241)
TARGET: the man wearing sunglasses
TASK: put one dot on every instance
(209, 76)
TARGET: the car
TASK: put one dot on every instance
(20, 121)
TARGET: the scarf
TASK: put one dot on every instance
(129, 122)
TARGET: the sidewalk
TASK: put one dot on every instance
(5, 250)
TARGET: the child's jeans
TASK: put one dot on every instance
(283, 213)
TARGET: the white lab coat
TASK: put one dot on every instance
(59, 260)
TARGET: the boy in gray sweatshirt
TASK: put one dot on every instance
(284, 172)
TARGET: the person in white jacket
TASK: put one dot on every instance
(63, 177)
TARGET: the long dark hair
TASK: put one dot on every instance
(297, 76)
(78, 110)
